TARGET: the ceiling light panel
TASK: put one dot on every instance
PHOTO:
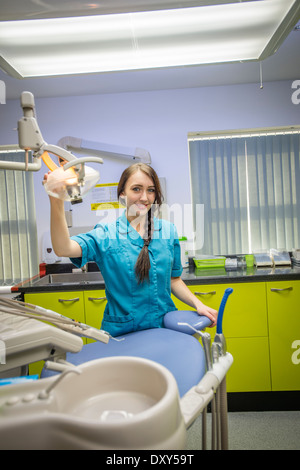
(140, 40)
(34, 9)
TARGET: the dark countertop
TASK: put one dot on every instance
(221, 276)
(92, 281)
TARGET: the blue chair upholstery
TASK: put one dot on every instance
(173, 321)
(182, 354)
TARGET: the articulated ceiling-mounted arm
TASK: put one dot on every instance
(70, 179)
(30, 137)
(70, 184)
(104, 150)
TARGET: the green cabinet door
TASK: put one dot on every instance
(284, 330)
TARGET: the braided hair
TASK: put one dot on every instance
(143, 265)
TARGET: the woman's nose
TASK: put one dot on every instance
(144, 196)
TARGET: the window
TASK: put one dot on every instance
(249, 185)
(18, 233)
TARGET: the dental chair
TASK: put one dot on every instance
(142, 390)
(139, 391)
(159, 344)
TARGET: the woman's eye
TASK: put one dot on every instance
(150, 190)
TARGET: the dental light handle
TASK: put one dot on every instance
(80, 162)
(227, 293)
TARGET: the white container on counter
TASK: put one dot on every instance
(184, 252)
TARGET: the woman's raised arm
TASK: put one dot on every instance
(61, 242)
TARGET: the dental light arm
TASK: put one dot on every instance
(78, 180)
(30, 136)
(81, 146)
(30, 139)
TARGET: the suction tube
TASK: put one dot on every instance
(221, 310)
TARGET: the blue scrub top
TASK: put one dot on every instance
(115, 248)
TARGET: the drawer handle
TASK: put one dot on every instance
(69, 300)
(280, 290)
(213, 292)
(97, 298)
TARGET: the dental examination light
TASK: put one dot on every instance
(70, 180)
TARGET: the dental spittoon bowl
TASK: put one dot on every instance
(114, 403)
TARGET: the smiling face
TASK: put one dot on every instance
(139, 192)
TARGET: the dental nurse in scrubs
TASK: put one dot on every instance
(138, 256)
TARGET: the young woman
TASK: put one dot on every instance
(138, 256)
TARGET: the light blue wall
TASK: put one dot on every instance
(158, 121)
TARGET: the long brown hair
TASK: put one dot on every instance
(143, 265)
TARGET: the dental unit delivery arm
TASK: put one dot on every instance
(25, 340)
(28, 340)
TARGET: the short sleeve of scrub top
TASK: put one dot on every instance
(115, 248)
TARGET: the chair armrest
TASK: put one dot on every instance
(173, 319)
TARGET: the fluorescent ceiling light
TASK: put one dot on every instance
(243, 31)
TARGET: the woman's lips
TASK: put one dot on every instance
(141, 206)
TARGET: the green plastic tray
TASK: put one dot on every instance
(209, 262)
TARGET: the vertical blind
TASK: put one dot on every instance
(249, 186)
(18, 232)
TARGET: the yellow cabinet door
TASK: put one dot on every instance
(284, 329)
(250, 371)
(245, 328)
(95, 303)
(210, 295)
(246, 309)
(69, 304)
